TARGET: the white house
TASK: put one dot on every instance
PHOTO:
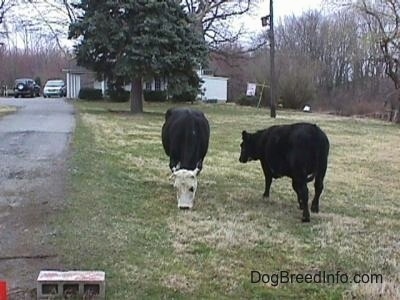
(213, 89)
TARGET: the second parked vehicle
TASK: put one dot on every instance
(55, 88)
(24, 87)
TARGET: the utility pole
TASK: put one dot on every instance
(272, 58)
(268, 20)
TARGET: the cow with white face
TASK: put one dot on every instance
(185, 183)
(185, 137)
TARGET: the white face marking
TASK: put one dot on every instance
(186, 186)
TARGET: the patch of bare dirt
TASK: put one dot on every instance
(34, 146)
(28, 202)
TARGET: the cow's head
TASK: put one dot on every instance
(185, 182)
(246, 148)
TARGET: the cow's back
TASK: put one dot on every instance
(308, 137)
(299, 147)
(185, 136)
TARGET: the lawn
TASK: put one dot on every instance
(4, 110)
(122, 216)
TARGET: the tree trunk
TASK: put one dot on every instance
(136, 96)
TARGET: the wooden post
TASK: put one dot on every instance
(272, 57)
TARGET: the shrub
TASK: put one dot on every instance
(184, 87)
(186, 96)
(90, 94)
(155, 96)
(38, 81)
(297, 85)
(247, 100)
(296, 91)
(119, 95)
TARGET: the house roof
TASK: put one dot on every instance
(77, 71)
(214, 77)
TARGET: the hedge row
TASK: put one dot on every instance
(120, 95)
(155, 96)
(90, 94)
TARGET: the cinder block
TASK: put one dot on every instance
(71, 284)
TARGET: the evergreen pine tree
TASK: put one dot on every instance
(139, 39)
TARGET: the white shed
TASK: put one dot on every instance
(214, 88)
(73, 80)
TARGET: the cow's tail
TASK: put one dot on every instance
(310, 177)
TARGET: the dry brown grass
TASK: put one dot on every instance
(386, 290)
(210, 251)
(6, 109)
(179, 283)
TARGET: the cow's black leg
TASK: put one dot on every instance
(319, 183)
(268, 179)
(302, 192)
(298, 198)
(318, 186)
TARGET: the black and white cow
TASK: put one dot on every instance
(299, 151)
(185, 136)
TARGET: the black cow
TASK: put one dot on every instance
(299, 151)
(185, 136)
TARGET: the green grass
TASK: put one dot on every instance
(122, 216)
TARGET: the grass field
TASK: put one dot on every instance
(4, 110)
(122, 214)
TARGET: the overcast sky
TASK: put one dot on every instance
(250, 23)
(282, 8)
(289, 7)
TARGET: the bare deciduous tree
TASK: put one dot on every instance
(213, 18)
(5, 6)
(383, 19)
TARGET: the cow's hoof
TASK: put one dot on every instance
(315, 209)
(184, 207)
(265, 198)
(305, 220)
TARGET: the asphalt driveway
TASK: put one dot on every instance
(34, 147)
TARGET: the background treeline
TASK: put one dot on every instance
(41, 59)
(330, 61)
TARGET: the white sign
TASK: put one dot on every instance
(307, 108)
(251, 89)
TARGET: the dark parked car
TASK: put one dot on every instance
(25, 87)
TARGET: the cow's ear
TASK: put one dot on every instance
(244, 134)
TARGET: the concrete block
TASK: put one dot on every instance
(71, 284)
